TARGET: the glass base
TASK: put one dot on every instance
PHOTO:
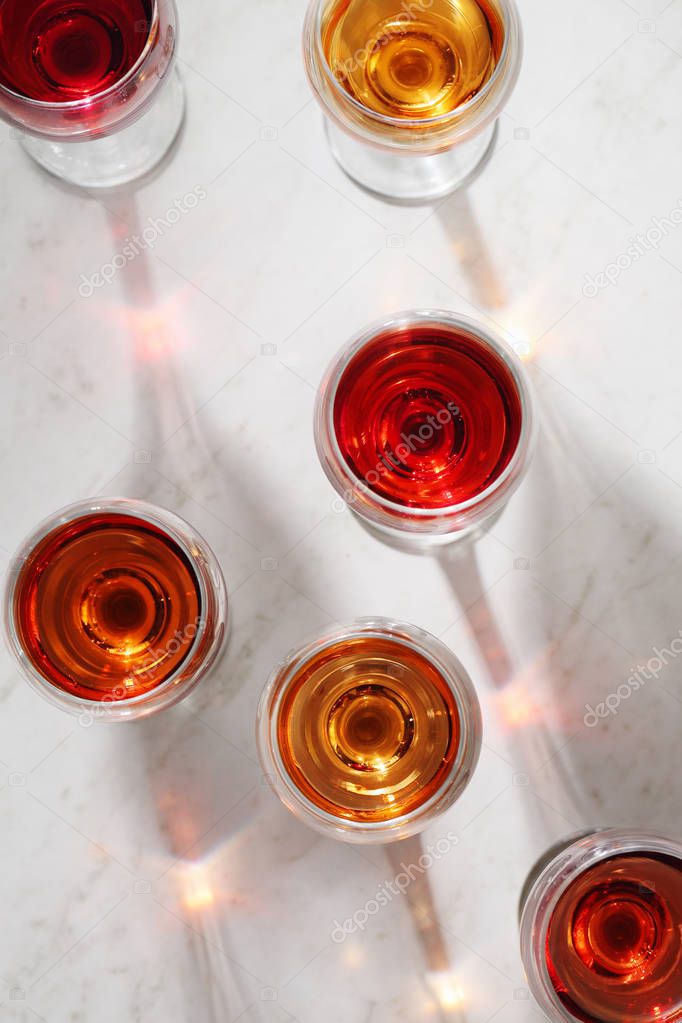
(119, 158)
(410, 178)
(425, 543)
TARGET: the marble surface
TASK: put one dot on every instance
(147, 871)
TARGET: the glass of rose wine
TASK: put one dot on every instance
(115, 609)
(92, 88)
(601, 930)
(369, 731)
(411, 89)
(424, 426)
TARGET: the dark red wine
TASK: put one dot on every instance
(427, 416)
(57, 52)
(614, 943)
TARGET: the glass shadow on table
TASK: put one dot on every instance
(575, 654)
(203, 791)
(196, 822)
(193, 849)
(577, 661)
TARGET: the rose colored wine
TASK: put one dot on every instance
(427, 416)
(413, 59)
(107, 607)
(57, 52)
(614, 944)
(368, 729)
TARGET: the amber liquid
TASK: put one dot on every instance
(614, 944)
(107, 607)
(412, 58)
(368, 729)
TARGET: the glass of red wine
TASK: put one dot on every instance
(114, 609)
(91, 87)
(424, 426)
(601, 930)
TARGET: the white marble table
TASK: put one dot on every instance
(147, 872)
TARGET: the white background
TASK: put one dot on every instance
(147, 872)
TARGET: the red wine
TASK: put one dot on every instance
(614, 943)
(428, 416)
(58, 52)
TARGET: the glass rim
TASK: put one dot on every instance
(580, 854)
(512, 28)
(96, 97)
(171, 689)
(326, 397)
(461, 687)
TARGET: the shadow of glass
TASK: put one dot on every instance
(472, 251)
(441, 975)
(199, 791)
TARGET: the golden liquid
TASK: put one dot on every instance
(412, 58)
(368, 729)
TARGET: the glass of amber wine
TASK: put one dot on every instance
(424, 426)
(369, 731)
(115, 609)
(601, 930)
(91, 87)
(411, 89)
